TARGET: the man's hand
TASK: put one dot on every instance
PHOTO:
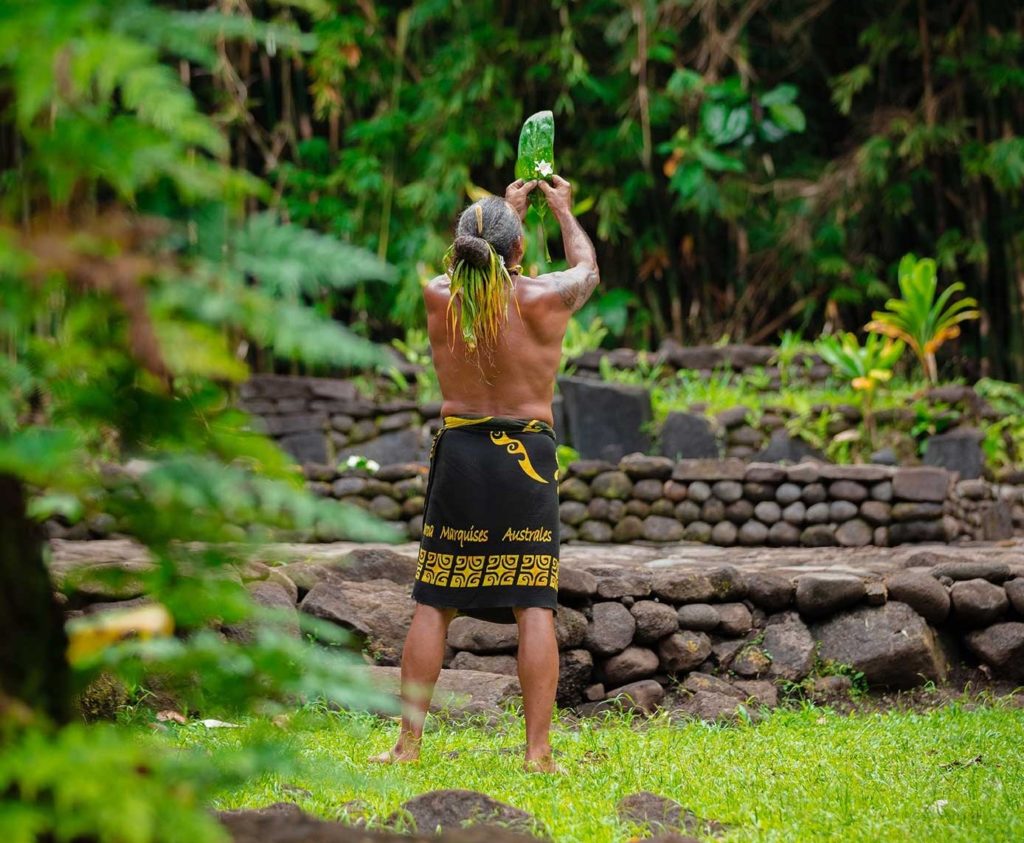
(559, 196)
(516, 193)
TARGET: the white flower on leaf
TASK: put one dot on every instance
(544, 168)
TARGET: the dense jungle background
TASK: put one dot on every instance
(191, 192)
(745, 166)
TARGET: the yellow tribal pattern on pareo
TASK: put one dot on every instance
(518, 449)
(451, 571)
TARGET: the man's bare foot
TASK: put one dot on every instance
(397, 755)
(542, 764)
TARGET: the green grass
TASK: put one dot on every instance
(799, 775)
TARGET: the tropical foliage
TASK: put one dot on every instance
(748, 166)
(134, 288)
(864, 366)
(917, 318)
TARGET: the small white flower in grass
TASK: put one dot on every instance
(938, 805)
(544, 168)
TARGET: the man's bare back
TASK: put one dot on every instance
(516, 378)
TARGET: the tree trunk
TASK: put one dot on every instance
(33, 665)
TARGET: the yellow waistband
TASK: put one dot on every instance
(460, 421)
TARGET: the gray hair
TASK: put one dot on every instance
(489, 220)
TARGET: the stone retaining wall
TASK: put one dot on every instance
(722, 631)
(724, 627)
(729, 502)
(322, 421)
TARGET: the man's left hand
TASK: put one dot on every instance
(516, 193)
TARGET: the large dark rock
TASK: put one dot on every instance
(683, 651)
(735, 619)
(661, 814)
(751, 660)
(683, 586)
(505, 665)
(711, 706)
(818, 595)
(708, 471)
(1015, 592)
(891, 645)
(978, 602)
(598, 532)
(306, 447)
(769, 591)
(698, 617)
(287, 822)
(818, 535)
(957, 450)
(784, 448)
(575, 668)
(611, 629)
(619, 583)
(688, 436)
(377, 563)
(407, 445)
(921, 484)
(909, 532)
(294, 423)
(915, 511)
(996, 521)
(378, 611)
(728, 582)
(631, 664)
(612, 484)
(478, 636)
(558, 417)
(658, 528)
(570, 627)
(922, 592)
(643, 467)
(654, 620)
(973, 569)
(575, 584)
(452, 809)
(789, 644)
(273, 595)
(606, 421)
(643, 696)
(1001, 647)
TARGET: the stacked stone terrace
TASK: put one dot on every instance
(729, 502)
(693, 627)
(811, 504)
(772, 492)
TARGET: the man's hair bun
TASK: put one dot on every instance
(473, 250)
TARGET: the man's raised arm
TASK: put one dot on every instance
(575, 284)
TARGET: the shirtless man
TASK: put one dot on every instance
(497, 390)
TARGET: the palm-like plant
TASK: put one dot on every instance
(865, 366)
(918, 318)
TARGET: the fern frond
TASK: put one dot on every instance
(289, 260)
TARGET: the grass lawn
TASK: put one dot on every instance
(799, 775)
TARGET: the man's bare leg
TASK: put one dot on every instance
(538, 675)
(422, 656)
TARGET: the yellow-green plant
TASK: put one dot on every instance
(866, 366)
(918, 318)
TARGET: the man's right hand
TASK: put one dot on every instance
(559, 195)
